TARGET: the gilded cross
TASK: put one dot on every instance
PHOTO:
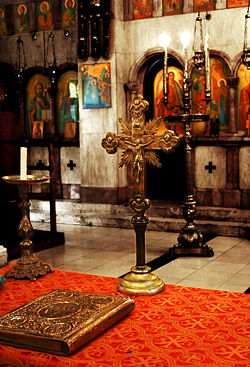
(139, 140)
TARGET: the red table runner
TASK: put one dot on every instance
(179, 327)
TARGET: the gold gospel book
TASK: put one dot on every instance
(62, 321)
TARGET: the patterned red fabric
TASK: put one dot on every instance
(180, 327)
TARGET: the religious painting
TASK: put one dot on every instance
(3, 28)
(204, 5)
(44, 15)
(38, 107)
(70, 130)
(236, 3)
(67, 103)
(37, 130)
(218, 109)
(68, 13)
(96, 80)
(172, 7)
(198, 91)
(174, 106)
(21, 18)
(243, 99)
(142, 9)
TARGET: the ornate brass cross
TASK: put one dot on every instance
(139, 140)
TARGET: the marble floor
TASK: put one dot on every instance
(111, 252)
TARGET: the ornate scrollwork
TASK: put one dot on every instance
(139, 139)
(139, 204)
(110, 143)
(168, 141)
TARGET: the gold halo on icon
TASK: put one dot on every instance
(66, 3)
(22, 6)
(41, 6)
(220, 80)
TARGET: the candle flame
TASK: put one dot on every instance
(185, 38)
(164, 39)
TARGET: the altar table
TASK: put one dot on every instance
(180, 327)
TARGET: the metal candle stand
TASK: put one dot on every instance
(190, 241)
(28, 265)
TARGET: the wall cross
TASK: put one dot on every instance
(210, 167)
(71, 165)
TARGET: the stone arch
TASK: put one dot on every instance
(237, 61)
(157, 189)
(137, 71)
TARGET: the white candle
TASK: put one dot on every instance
(23, 164)
(164, 41)
(165, 74)
(185, 38)
(207, 63)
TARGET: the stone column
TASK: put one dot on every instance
(232, 83)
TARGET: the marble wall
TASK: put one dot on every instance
(96, 176)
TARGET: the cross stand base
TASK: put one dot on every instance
(141, 282)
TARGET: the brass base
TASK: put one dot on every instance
(29, 267)
(203, 250)
(190, 243)
(141, 282)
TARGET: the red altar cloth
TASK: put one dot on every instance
(180, 327)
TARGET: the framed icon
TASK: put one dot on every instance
(96, 83)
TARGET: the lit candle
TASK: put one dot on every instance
(164, 40)
(185, 38)
(23, 164)
(207, 63)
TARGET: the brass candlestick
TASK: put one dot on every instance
(190, 240)
(28, 266)
(138, 141)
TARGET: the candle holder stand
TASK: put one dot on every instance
(28, 265)
(190, 240)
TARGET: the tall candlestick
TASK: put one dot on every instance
(23, 164)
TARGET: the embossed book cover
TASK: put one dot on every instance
(62, 321)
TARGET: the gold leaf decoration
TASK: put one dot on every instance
(125, 126)
(152, 158)
(127, 158)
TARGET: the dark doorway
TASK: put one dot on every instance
(167, 182)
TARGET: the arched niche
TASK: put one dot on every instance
(218, 108)
(165, 183)
(243, 99)
(39, 122)
(67, 105)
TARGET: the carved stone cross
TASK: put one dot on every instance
(139, 139)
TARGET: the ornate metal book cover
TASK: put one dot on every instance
(62, 321)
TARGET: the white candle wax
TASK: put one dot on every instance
(23, 164)
(207, 64)
(165, 73)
